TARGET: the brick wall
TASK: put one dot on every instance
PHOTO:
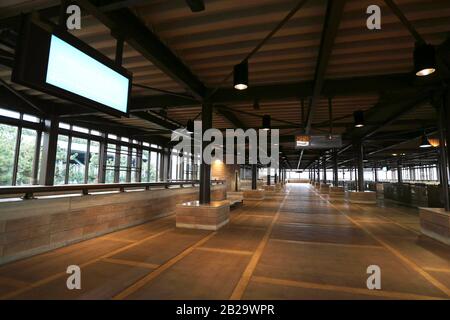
(29, 227)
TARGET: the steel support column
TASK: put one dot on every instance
(359, 158)
(205, 169)
(49, 146)
(324, 168)
(254, 176)
(335, 168)
(399, 171)
(443, 151)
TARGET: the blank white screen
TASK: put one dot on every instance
(73, 70)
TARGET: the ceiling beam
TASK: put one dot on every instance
(230, 116)
(333, 16)
(124, 24)
(273, 92)
(165, 123)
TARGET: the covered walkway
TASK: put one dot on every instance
(295, 245)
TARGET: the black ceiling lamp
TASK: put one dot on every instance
(424, 143)
(424, 59)
(266, 122)
(358, 117)
(190, 126)
(240, 73)
(196, 5)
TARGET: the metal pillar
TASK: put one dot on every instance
(254, 174)
(359, 158)
(446, 110)
(49, 146)
(399, 171)
(318, 170)
(205, 169)
(443, 153)
(268, 175)
(335, 168)
(375, 173)
(324, 168)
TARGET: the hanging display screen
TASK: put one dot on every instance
(60, 64)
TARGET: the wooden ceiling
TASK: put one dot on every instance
(211, 42)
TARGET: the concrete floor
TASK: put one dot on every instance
(294, 246)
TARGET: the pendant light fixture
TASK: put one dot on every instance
(241, 75)
(424, 59)
(358, 117)
(424, 142)
(266, 122)
(190, 126)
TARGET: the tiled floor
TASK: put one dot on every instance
(296, 245)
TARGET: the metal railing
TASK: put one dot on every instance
(28, 192)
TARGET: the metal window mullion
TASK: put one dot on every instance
(129, 161)
(69, 148)
(87, 160)
(16, 155)
(36, 158)
(157, 169)
(117, 164)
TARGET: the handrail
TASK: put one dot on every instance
(28, 191)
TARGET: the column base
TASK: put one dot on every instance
(435, 223)
(324, 188)
(364, 197)
(337, 193)
(251, 194)
(211, 216)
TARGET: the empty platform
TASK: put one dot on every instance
(295, 245)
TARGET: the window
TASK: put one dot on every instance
(8, 137)
(123, 169)
(110, 163)
(26, 162)
(94, 152)
(153, 170)
(78, 154)
(134, 165)
(77, 161)
(61, 159)
(145, 166)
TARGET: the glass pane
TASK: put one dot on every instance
(61, 159)
(64, 125)
(94, 153)
(110, 163)
(123, 164)
(30, 118)
(80, 129)
(133, 164)
(78, 151)
(9, 114)
(26, 157)
(145, 164)
(8, 136)
(153, 166)
(174, 165)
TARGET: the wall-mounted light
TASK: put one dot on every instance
(240, 74)
(424, 60)
(358, 117)
(266, 122)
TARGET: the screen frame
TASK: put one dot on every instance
(33, 53)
